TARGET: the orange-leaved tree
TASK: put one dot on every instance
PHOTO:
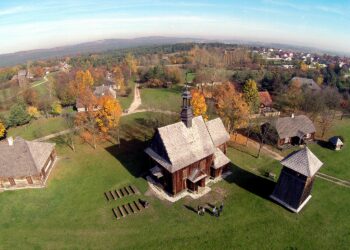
(2, 130)
(231, 107)
(119, 79)
(198, 104)
(108, 115)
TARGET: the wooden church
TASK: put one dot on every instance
(186, 154)
(293, 189)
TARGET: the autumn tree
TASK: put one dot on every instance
(119, 79)
(88, 127)
(198, 104)
(251, 95)
(65, 89)
(131, 63)
(231, 107)
(33, 112)
(83, 80)
(30, 96)
(2, 130)
(108, 115)
(56, 108)
(303, 66)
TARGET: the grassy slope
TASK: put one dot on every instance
(72, 212)
(162, 98)
(38, 128)
(336, 163)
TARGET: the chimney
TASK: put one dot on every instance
(293, 115)
(10, 141)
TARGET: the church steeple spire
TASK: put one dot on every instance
(186, 112)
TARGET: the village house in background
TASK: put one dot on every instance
(23, 78)
(25, 164)
(287, 131)
(301, 82)
(103, 90)
(184, 156)
(293, 189)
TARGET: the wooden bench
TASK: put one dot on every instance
(121, 191)
(111, 192)
(126, 191)
(126, 210)
(134, 189)
(115, 213)
(137, 206)
(121, 211)
(107, 197)
(131, 208)
(116, 193)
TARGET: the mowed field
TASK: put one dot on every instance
(72, 212)
(162, 99)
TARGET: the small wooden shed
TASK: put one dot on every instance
(293, 188)
(336, 143)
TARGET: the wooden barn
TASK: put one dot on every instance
(294, 130)
(186, 154)
(293, 189)
(25, 164)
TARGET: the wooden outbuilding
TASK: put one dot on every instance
(184, 155)
(336, 143)
(293, 189)
(25, 164)
(293, 130)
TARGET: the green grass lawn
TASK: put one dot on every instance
(162, 98)
(38, 128)
(125, 102)
(336, 163)
(72, 213)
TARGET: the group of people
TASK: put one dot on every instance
(215, 211)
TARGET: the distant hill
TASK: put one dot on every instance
(111, 44)
(88, 47)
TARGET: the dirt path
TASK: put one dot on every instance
(50, 136)
(136, 103)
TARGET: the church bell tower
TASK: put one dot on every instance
(186, 112)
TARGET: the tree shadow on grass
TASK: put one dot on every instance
(253, 183)
(130, 153)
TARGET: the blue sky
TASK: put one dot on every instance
(33, 24)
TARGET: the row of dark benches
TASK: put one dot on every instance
(120, 193)
(130, 208)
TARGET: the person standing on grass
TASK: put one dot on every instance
(221, 208)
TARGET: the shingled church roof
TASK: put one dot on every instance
(303, 162)
(23, 158)
(186, 145)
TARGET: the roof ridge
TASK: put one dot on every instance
(308, 155)
(31, 154)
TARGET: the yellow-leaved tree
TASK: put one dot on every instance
(83, 80)
(33, 112)
(131, 63)
(198, 104)
(108, 115)
(119, 79)
(231, 107)
(2, 130)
